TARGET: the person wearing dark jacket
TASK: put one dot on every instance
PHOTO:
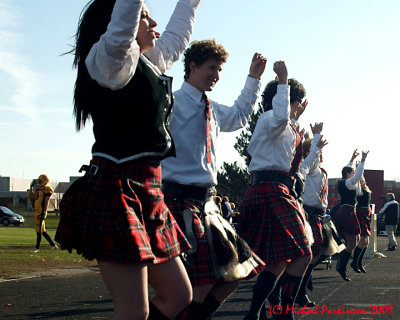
(391, 213)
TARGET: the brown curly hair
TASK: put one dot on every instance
(201, 51)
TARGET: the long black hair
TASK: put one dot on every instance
(93, 22)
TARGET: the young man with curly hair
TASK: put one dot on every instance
(190, 178)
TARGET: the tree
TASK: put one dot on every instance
(243, 140)
(232, 181)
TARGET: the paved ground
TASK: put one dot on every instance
(80, 294)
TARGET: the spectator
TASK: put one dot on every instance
(390, 211)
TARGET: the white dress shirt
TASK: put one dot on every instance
(315, 179)
(353, 183)
(188, 130)
(273, 143)
(113, 59)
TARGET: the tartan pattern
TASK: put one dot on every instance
(199, 265)
(315, 222)
(346, 221)
(364, 219)
(120, 218)
(272, 223)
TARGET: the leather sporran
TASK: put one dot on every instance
(232, 257)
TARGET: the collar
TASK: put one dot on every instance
(192, 92)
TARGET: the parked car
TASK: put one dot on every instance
(7, 216)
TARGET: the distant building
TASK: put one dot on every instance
(377, 184)
(14, 193)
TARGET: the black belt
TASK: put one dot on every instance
(313, 210)
(257, 177)
(187, 191)
(95, 170)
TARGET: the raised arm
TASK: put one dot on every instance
(176, 36)
(352, 182)
(236, 116)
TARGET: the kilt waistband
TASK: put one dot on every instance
(93, 170)
(187, 191)
(313, 211)
(257, 177)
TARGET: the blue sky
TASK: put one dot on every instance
(346, 53)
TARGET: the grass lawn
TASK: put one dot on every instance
(16, 244)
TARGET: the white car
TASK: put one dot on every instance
(7, 216)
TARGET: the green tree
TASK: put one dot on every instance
(232, 181)
(243, 140)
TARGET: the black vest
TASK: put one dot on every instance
(392, 214)
(131, 121)
(364, 200)
(346, 196)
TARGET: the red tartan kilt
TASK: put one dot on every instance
(346, 221)
(272, 224)
(316, 226)
(364, 218)
(120, 218)
(199, 265)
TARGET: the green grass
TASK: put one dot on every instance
(16, 244)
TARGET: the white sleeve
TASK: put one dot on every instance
(310, 163)
(113, 59)
(234, 117)
(352, 182)
(280, 111)
(176, 36)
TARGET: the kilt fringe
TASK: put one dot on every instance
(232, 257)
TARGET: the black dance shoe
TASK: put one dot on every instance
(305, 301)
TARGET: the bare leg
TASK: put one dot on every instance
(127, 284)
(172, 285)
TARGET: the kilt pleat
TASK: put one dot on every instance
(121, 217)
(272, 224)
(315, 222)
(364, 218)
(346, 221)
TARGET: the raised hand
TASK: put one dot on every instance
(364, 155)
(321, 143)
(317, 128)
(257, 66)
(354, 155)
(281, 71)
(300, 109)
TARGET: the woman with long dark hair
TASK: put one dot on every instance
(116, 213)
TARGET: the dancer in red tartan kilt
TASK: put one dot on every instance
(116, 213)
(345, 217)
(271, 220)
(315, 201)
(363, 212)
(190, 178)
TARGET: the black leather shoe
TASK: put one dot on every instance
(392, 248)
(343, 274)
(305, 301)
(361, 268)
(355, 267)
